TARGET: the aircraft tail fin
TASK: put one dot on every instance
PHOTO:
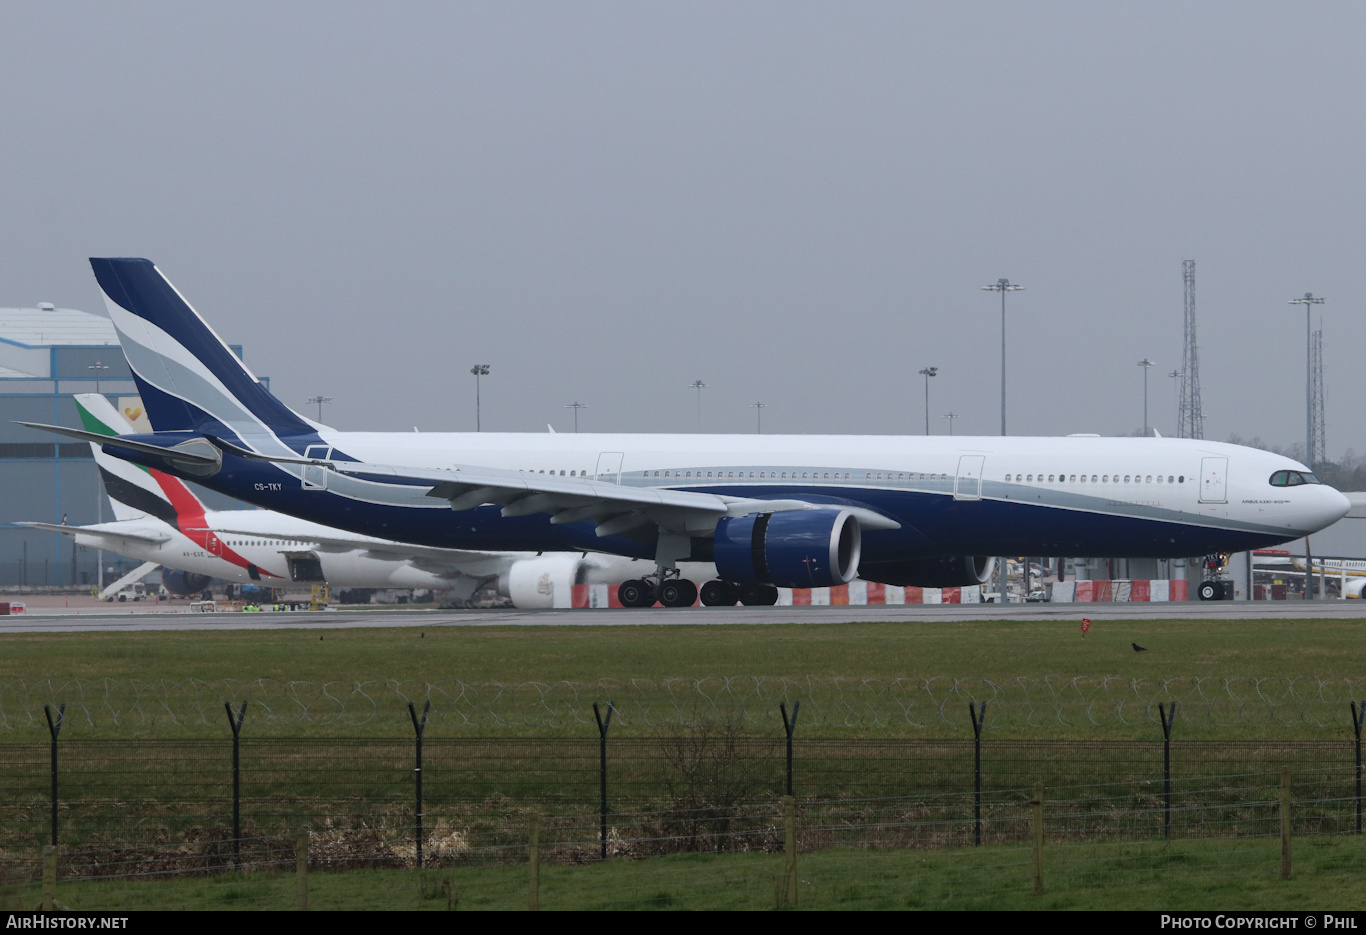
(190, 380)
(134, 491)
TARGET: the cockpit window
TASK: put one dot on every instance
(1293, 479)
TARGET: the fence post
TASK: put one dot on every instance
(977, 720)
(1167, 723)
(603, 724)
(790, 848)
(49, 897)
(1038, 837)
(235, 722)
(301, 871)
(789, 726)
(1285, 824)
(54, 728)
(418, 728)
(1358, 715)
(534, 893)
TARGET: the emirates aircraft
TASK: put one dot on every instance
(765, 511)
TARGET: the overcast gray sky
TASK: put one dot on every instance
(796, 203)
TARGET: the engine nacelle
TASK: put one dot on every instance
(951, 571)
(790, 549)
(184, 582)
(543, 582)
(1355, 586)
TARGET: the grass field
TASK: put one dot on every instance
(146, 745)
(998, 652)
(1191, 875)
(989, 649)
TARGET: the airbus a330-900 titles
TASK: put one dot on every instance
(766, 511)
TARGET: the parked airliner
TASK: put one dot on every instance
(159, 520)
(767, 511)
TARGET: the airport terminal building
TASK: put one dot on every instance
(47, 354)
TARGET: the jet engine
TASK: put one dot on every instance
(1355, 586)
(789, 549)
(184, 582)
(543, 582)
(948, 572)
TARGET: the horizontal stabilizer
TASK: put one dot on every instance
(176, 453)
(97, 532)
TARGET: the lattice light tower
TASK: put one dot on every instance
(1318, 444)
(1190, 418)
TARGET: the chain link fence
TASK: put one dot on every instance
(909, 851)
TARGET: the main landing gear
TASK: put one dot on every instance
(670, 591)
(726, 594)
(680, 592)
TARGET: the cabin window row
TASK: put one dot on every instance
(752, 475)
(1098, 479)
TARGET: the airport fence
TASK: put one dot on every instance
(431, 818)
(1105, 824)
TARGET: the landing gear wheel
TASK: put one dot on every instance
(635, 593)
(758, 595)
(678, 592)
(719, 594)
(1210, 591)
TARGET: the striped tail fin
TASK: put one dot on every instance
(134, 491)
(190, 380)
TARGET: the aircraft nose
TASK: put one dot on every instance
(1334, 506)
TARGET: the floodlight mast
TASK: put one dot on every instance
(320, 400)
(759, 417)
(479, 370)
(576, 406)
(1003, 286)
(1180, 391)
(97, 367)
(1308, 302)
(699, 386)
(928, 372)
(1145, 363)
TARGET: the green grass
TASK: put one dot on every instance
(987, 649)
(1234, 874)
(1002, 652)
(160, 774)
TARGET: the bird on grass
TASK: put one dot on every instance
(1139, 649)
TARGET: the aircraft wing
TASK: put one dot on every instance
(613, 508)
(98, 533)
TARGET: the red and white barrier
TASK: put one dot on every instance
(1094, 592)
(869, 593)
(859, 593)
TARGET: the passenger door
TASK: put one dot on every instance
(609, 467)
(315, 475)
(968, 484)
(1214, 480)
